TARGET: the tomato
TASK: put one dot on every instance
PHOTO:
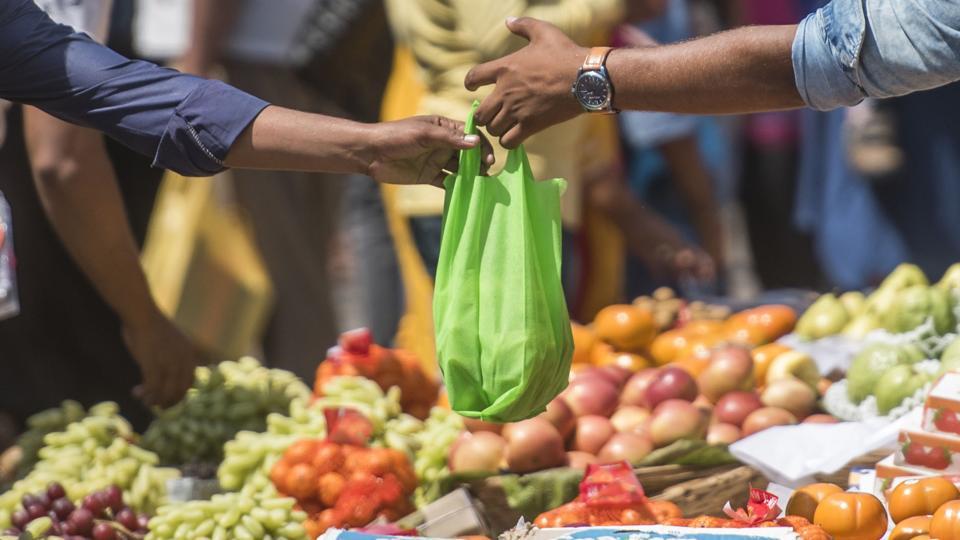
(946, 522)
(911, 528)
(301, 451)
(804, 501)
(852, 516)
(947, 420)
(329, 487)
(328, 458)
(278, 475)
(301, 481)
(926, 456)
(920, 497)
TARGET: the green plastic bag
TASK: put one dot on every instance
(503, 332)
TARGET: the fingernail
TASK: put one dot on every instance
(471, 139)
(490, 159)
(510, 20)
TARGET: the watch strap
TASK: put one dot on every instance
(596, 58)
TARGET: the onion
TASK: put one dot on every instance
(592, 433)
(474, 425)
(627, 447)
(676, 419)
(670, 383)
(628, 418)
(767, 417)
(477, 452)
(730, 368)
(723, 434)
(591, 395)
(561, 416)
(580, 460)
(790, 394)
(734, 407)
(534, 445)
(636, 387)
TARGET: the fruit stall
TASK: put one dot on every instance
(676, 422)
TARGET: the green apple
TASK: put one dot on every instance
(869, 365)
(897, 384)
(825, 317)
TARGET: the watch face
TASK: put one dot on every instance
(593, 90)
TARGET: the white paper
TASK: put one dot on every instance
(792, 455)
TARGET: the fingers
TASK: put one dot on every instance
(514, 136)
(449, 136)
(528, 28)
(483, 74)
(486, 153)
(488, 109)
(501, 124)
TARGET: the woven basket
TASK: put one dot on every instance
(695, 490)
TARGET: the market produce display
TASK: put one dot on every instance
(904, 301)
(229, 516)
(225, 399)
(102, 515)
(30, 442)
(91, 455)
(357, 355)
(342, 485)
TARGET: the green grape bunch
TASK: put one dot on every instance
(225, 399)
(229, 516)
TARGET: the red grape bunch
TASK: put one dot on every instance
(102, 515)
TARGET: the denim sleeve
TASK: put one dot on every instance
(852, 49)
(186, 123)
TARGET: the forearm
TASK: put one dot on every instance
(739, 71)
(695, 185)
(79, 192)
(283, 139)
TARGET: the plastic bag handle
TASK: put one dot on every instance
(470, 157)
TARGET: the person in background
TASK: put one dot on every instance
(81, 281)
(446, 38)
(295, 216)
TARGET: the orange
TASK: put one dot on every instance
(626, 327)
(584, 341)
(700, 346)
(667, 346)
(762, 358)
(629, 361)
(704, 326)
(601, 352)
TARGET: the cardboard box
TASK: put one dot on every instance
(931, 453)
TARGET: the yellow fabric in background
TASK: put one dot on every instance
(415, 334)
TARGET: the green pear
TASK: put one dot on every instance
(854, 302)
(871, 363)
(897, 384)
(861, 325)
(950, 358)
(917, 303)
(903, 276)
(950, 279)
(825, 317)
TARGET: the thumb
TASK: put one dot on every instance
(526, 27)
(449, 137)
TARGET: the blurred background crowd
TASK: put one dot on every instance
(277, 264)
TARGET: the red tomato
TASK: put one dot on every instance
(947, 420)
(926, 456)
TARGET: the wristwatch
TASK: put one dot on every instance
(593, 88)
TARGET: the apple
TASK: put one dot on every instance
(790, 394)
(723, 434)
(636, 387)
(670, 383)
(628, 418)
(730, 369)
(676, 419)
(733, 408)
(794, 364)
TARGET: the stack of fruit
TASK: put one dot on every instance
(357, 355)
(610, 414)
(903, 302)
(101, 516)
(30, 442)
(225, 399)
(229, 516)
(341, 485)
(89, 456)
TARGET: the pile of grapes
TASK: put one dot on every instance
(101, 516)
(229, 516)
(225, 399)
(39, 425)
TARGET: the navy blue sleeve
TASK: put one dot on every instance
(187, 124)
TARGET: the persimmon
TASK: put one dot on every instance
(626, 327)
(805, 500)
(946, 522)
(912, 527)
(852, 516)
(920, 497)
